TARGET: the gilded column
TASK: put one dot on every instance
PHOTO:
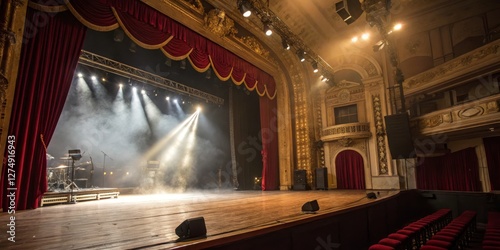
(12, 18)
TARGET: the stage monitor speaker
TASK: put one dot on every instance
(371, 195)
(192, 228)
(321, 178)
(399, 136)
(349, 10)
(310, 206)
(299, 180)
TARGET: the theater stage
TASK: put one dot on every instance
(148, 221)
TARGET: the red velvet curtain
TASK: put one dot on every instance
(350, 170)
(269, 134)
(152, 30)
(48, 60)
(458, 171)
(492, 149)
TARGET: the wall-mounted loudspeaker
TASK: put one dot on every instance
(310, 206)
(399, 136)
(192, 228)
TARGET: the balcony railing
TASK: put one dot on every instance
(349, 130)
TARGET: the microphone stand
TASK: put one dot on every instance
(104, 166)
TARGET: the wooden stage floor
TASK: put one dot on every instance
(149, 221)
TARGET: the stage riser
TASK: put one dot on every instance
(52, 198)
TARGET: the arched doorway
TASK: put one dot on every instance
(350, 170)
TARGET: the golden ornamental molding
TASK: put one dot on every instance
(470, 114)
(350, 130)
(195, 5)
(459, 65)
(218, 23)
(366, 66)
(380, 135)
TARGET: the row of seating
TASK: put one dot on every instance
(415, 234)
(491, 238)
(455, 235)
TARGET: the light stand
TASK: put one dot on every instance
(104, 166)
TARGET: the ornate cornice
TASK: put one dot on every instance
(469, 115)
(462, 65)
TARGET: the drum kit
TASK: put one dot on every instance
(63, 175)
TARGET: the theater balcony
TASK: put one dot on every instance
(356, 130)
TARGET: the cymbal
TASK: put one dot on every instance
(61, 166)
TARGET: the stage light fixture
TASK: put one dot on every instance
(267, 28)
(397, 26)
(285, 44)
(354, 39)
(93, 78)
(121, 85)
(80, 75)
(134, 88)
(365, 36)
(315, 67)
(143, 92)
(244, 10)
(103, 79)
(167, 98)
(301, 55)
(198, 108)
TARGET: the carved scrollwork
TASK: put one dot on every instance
(345, 142)
(217, 22)
(195, 4)
(253, 44)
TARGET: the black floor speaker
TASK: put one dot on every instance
(399, 136)
(321, 178)
(299, 180)
(192, 228)
(310, 206)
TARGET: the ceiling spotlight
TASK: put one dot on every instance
(300, 54)
(175, 100)
(315, 67)
(121, 85)
(143, 92)
(397, 26)
(134, 89)
(285, 44)
(365, 36)
(198, 108)
(378, 46)
(80, 75)
(93, 78)
(267, 29)
(354, 39)
(103, 79)
(167, 98)
(244, 10)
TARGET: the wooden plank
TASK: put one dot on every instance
(149, 221)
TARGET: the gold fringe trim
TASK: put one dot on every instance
(201, 70)
(217, 73)
(146, 46)
(87, 23)
(48, 9)
(177, 58)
